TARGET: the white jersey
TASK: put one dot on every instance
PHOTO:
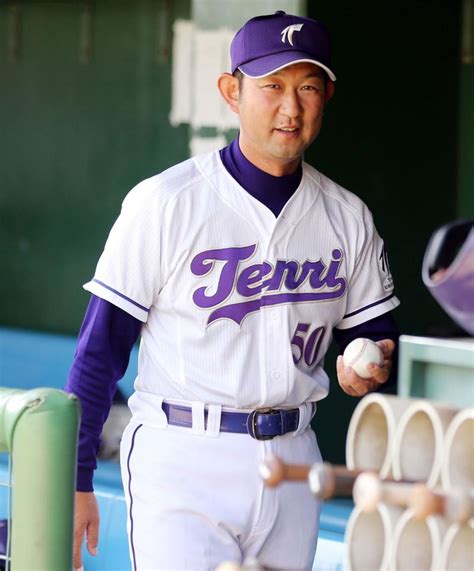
(238, 306)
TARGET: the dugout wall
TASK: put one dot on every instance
(85, 97)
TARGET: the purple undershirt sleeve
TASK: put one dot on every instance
(102, 354)
(381, 327)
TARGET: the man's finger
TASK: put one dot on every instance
(354, 385)
(77, 557)
(93, 538)
(387, 346)
(364, 386)
(351, 383)
(379, 374)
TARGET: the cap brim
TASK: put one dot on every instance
(271, 64)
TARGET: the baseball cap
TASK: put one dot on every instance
(266, 44)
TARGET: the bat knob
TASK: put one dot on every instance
(272, 471)
(367, 491)
(318, 480)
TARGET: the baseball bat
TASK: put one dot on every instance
(274, 471)
(325, 480)
(456, 506)
(369, 490)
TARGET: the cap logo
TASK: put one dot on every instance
(287, 33)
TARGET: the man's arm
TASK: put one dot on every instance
(103, 351)
(384, 331)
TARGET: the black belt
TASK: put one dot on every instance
(262, 424)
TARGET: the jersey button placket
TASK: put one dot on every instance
(275, 352)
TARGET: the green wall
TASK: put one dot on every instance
(74, 138)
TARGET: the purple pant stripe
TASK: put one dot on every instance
(134, 561)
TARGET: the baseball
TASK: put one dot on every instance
(359, 353)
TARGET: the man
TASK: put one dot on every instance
(235, 267)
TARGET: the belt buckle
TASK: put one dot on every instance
(252, 423)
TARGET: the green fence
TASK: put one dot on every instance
(38, 428)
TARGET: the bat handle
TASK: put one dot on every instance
(327, 480)
(274, 471)
(297, 472)
(456, 506)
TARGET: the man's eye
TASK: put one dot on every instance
(272, 86)
(311, 88)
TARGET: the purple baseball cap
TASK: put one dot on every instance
(266, 44)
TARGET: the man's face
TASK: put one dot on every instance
(281, 115)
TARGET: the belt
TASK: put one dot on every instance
(263, 424)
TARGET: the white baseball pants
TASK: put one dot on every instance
(196, 500)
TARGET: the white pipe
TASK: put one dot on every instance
(457, 549)
(416, 543)
(369, 536)
(371, 432)
(458, 460)
(419, 441)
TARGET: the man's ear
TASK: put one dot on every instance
(330, 88)
(229, 87)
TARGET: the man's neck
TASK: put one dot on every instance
(273, 167)
(273, 191)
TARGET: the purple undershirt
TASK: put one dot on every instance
(273, 191)
(102, 354)
(108, 333)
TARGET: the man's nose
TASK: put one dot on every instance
(290, 105)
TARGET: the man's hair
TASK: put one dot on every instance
(240, 78)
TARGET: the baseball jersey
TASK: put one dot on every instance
(238, 305)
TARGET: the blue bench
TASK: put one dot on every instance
(31, 359)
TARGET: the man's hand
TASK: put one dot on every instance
(356, 386)
(86, 522)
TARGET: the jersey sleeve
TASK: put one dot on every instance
(128, 273)
(371, 288)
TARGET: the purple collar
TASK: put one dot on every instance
(273, 191)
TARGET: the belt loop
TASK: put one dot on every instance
(162, 418)
(306, 414)
(213, 420)
(198, 417)
(283, 422)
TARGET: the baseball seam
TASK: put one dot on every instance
(354, 360)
